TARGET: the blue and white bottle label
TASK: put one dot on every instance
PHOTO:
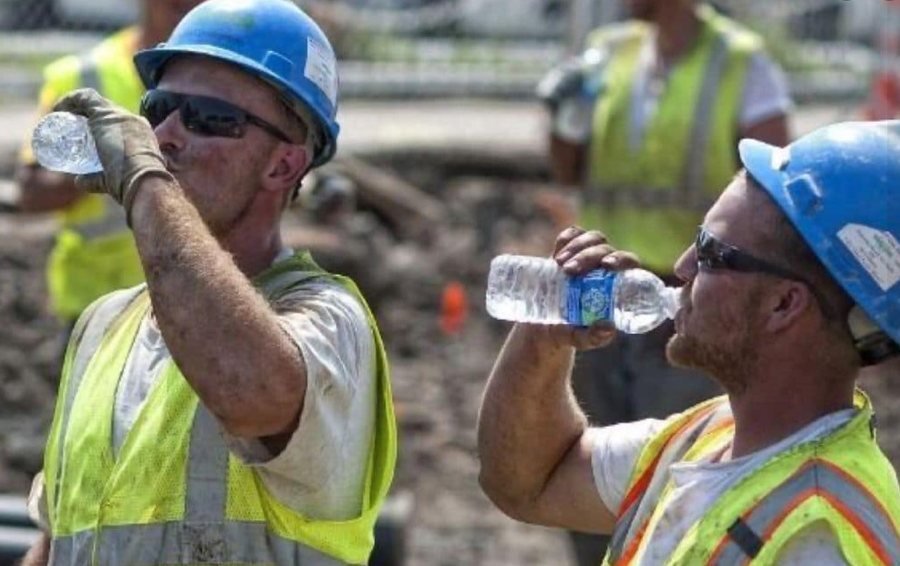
(590, 298)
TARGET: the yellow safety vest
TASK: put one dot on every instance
(174, 494)
(842, 479)
(95, 251)
(650, 200)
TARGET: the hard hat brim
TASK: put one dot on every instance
(760, 161)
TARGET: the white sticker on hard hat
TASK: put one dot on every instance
(876, 250)
(321, 68)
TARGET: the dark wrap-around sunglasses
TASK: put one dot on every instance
(203, 115)
(714, 254)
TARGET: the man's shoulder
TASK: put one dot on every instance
(321, 291)
(105, 309)
(614, 35)
(738, 36)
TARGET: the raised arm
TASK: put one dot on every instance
(221, 332)
(535, 456)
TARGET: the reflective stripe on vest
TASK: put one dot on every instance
(692, 185)
(204, 536)
(630, 524)
(90, 73)
(209, 508)
(100, 314)
(113, 220)
(817, 478)
(842, 479)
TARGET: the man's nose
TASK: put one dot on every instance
(170, 133)
(686, 266)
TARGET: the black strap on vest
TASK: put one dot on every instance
(745, 538)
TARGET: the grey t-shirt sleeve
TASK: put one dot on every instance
(765, 93)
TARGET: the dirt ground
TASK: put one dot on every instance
(438, 371)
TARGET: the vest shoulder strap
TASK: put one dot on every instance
(647, 485)
(92, 326)
(739, 38)
(613, 36)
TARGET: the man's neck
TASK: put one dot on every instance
(677, 29)
(775, 406)
(254, 257)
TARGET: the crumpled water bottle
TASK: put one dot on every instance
(537, 290)
(62, 142)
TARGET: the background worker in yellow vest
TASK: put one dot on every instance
(94, 252)
(236, 409)
(792, 285)
(644, 127)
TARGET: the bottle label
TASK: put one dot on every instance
(590, 298)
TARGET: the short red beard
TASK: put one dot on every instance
(732, 354)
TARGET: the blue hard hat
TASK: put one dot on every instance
(271, 39)
(840, 187)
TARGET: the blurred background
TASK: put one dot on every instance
(441, 165)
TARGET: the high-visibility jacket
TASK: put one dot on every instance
(174, 494)
(842, 479)
(95, 251)
(650, 199)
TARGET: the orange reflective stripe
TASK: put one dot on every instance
(864, 531)
(817, 478)
(682, 438)
(633, 546)
(637, 488)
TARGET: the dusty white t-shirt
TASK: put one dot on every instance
(321, 471)
(698, 484)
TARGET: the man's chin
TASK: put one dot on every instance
(680, 352)
(688, 353)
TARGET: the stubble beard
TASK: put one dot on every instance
(729, 360)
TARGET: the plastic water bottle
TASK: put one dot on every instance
(62, 142)
(536, 290)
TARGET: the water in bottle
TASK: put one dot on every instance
(536, 290)
(62, 142)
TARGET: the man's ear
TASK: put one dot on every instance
(786, 303)
(289, 163)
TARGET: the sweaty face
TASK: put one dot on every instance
(221, 176)
(722, 342)
(719, 327)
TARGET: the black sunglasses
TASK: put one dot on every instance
(714, 254)
(203, 115)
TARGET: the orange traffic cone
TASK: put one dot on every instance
(454, 308)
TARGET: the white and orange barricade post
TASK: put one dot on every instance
(884, 96)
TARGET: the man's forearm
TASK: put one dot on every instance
(39, 553)
(219, 329)
(529, 419)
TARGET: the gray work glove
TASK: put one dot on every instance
(126, 145)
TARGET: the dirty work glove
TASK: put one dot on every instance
(125, 142)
